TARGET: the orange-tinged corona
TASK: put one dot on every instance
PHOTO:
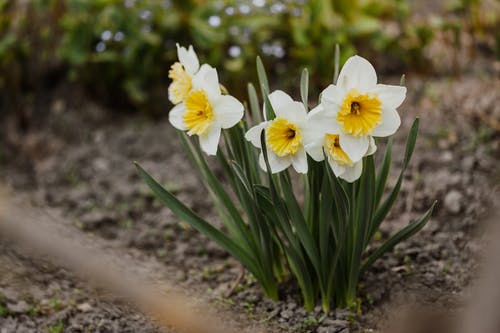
(283, 137)
(181, 83)
(336, 152)
(199, 113)
(360, 113)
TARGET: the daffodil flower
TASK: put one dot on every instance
(205, 111)
(182, 73)
(284, 134)
(323, 143)
(357, 108)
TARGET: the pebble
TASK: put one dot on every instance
(453, 202)
(333, 326)
(95, 219)
(19, 307)
(287, 314)
(84, 307)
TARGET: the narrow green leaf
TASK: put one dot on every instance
(383, 172)
(234, 221)
(336, 64)
(187, 215)
(341, 200)
(402, 81)
(366, 201)
(364, 212)
(386, 206)
(304, 88)
(410, 143)
(400, 236)
(299, 222)
(261, 73)
(254, 104)
(269, 111)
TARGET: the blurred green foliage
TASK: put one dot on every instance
(121, 50)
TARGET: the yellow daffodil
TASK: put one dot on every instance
(323, 143)
(205, 111)
(284, 134)
(182, 73)
(357, 108)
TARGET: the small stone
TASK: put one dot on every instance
(9, 295)
(95, 220)
(453, 202)
(84, 307)
(291, 305)
(287, 314)
(334, 325)
(19, 307)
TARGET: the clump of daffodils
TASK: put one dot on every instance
(323, 243)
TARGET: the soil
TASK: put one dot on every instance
(77, 162)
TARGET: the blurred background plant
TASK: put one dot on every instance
(120, 50)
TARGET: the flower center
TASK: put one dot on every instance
(332, 146)
(199, 114)
(181, 83)
(283, 137)
(360, 113)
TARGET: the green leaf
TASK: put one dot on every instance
(299, 222)
(304, 88)
(400, 236)
(261, 73)
(386, 206)
(383, 173)
(269, 111)
(254, 104)
(341, 200)
(231, 216)
(363, 215)
(187, 215)
(366, 199)
(336, 64)
(402, 81)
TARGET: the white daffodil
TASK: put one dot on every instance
(205, 111)
(324, 143)
(284, 134)
(182, 73)
(357, 108)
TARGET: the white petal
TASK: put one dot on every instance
(176, 116)
(354, 146)
(315, 150)
(188, 59)
(279, 101)
(332, 98)
(352, 173)
(389, 124)
(319, 122)
(390, 96)
(357, 73)
(210, 141)
(318, 109)
(276, 163)
(372, 148)
(207, 80)
(336, 168)
(299, 161)
(253, 134)
(294, 112)
(228, 111)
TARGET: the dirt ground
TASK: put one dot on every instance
(76, 162)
